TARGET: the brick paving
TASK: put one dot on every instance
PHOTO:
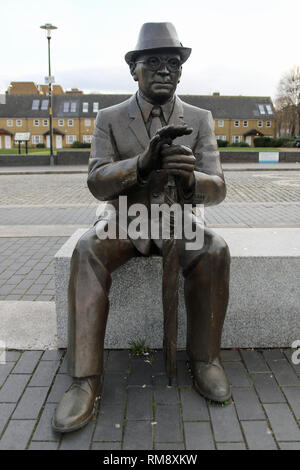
(139, 411)
(71, 189)
(26, 267)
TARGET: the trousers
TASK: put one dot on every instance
(206, 291)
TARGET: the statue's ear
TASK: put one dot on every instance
(179, 75)
(132, 66)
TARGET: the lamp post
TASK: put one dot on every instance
(49, 27)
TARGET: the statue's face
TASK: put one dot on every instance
(158, 74)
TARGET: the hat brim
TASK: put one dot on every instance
(184, 52)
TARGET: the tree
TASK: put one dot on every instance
(288, 103)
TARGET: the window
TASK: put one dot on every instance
(66, 106)
(36, 122)
(70, 122)
(221, 137)
(70, 139)
(236, 123)
(61, 122)
(37, 139)
(260, 123)
(9, 122)
(45, 122)
(44, 106)
(85, 107)
(73, 107)
(95, 107)
(87, 122)
(236, 139)
(35, 104)
(261, 109)
(269, 109)
(268, 124)
(245, 123)
(19, 122)
(220, 123)
(87, 139)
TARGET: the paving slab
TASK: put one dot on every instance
(283, 423)
(258, 435)
(138, 435)
(198, 436)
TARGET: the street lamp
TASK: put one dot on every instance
(49, 27)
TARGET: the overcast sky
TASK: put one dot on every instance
(238, 47)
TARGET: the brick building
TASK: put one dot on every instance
(237, 118)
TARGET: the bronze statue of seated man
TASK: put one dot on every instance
(133, 155)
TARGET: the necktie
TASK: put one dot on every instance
(155, 120)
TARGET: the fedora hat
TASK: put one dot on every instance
(154, 36)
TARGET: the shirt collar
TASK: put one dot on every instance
(146, 107)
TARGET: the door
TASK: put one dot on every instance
(7, 142)
(48, 141)
(58, 141)
(249, 140)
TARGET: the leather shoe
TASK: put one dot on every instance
(210, 380)
(78, 404)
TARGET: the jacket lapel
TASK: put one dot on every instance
(136, 123)
(177, 114)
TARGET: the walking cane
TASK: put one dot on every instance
(170, 265)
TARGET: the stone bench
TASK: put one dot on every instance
(264, 301)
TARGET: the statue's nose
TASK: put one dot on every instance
(163, 70)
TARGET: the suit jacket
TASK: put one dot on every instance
(120, 136)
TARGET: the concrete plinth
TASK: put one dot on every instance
(264, 293)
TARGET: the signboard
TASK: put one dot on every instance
(22, 136)
(49, 79)
(268, 157)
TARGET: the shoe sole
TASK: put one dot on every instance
(210, 397)
(78, 426)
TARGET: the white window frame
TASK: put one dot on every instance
(37, 139)
(268, 124)
(221, 137)
(66, 106)
(44, 105)
(9, 123)
(61, 122)
(70, 122)
(236, 123)
(236, 139)
(85, 107)
(19, 122)
(87, 139)
(70, 139)
(95, 107)
(87, 122)
(45, 122)
(35, 105)
(260, 123)
(261, 108)
(36, 122)
(221, 123)
(245, 123)
(73, 107)
(269, 109)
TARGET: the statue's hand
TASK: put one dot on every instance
(149, 160)
(179, 161)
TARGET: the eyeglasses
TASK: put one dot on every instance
(155, 63)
